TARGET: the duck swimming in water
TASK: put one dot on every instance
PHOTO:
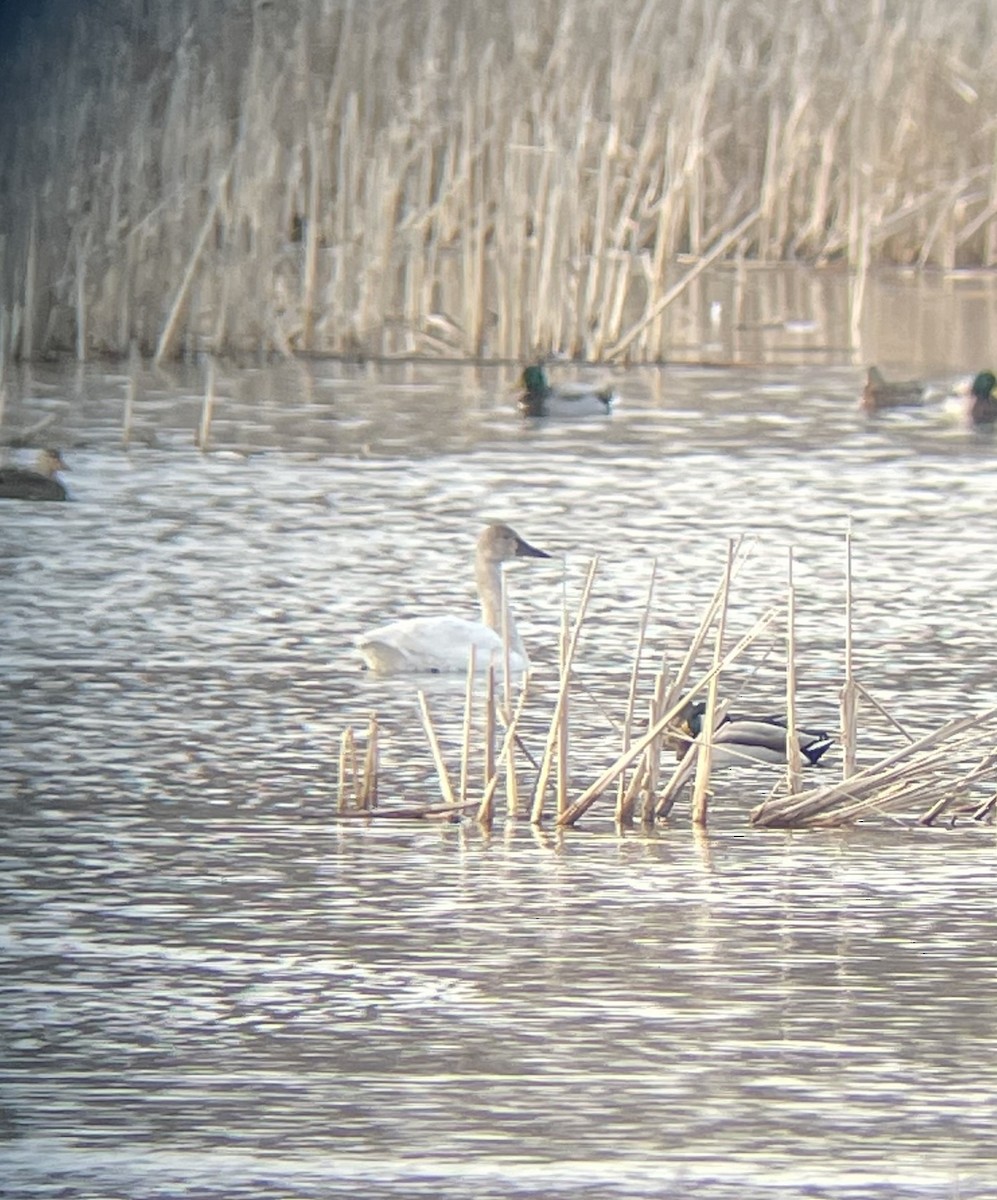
(18, 483)
(444, 643)
(539, 399)
(880, 393)
(983, 404)
(740, 738)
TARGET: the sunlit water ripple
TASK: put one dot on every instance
(211, 987)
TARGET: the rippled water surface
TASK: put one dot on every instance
(211, 986)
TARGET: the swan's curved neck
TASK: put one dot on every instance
(488, 576)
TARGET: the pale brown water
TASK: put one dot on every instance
(210, 987)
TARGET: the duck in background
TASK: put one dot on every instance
(444, 643)
(983, 404)
(740, 738)
(970, 401)
(880, 393)
(539, 399)
(19, 483)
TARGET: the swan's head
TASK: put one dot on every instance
(498, 544)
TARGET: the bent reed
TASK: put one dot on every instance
(470, 180)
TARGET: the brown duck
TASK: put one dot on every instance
(18, 483)
(880, 393)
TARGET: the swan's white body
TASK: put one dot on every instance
(445, 643)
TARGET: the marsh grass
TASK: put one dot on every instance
(486, 180)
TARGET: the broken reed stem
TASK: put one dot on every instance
(623, 810)
(441, 767)
(595, 790)
(701, 788)
(866, 695)
(849, 696)
(793, 754)
(543, 775)
(346, 756)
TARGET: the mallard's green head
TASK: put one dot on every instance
(535, 381)
(984, 384)
(695, 718)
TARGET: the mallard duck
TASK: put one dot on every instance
(880, 393)
(18, 483)
(444, 643)
(757, 739)
(983, 408)
(539, 399)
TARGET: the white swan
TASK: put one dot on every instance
(444, 643)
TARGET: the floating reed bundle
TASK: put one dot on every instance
(485, 180)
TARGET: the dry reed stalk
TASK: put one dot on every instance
(368, 785)
(983, 769)
(702, 784)
(652, 757)
(985, 810)
(465, 743)
(167, 338)
(511, 776)
(553, 732)
(699, 637)
(628, 716)
(82, 250)
(434, 745)
(208, 405)
(486, 804)
(410, 812)
(849, 694)
(488, 737)
(346, 756)
(608, 777)
(793, 754)
(309, 281)
(563, 731)
(871, 699)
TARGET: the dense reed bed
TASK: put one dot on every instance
(488, 180)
